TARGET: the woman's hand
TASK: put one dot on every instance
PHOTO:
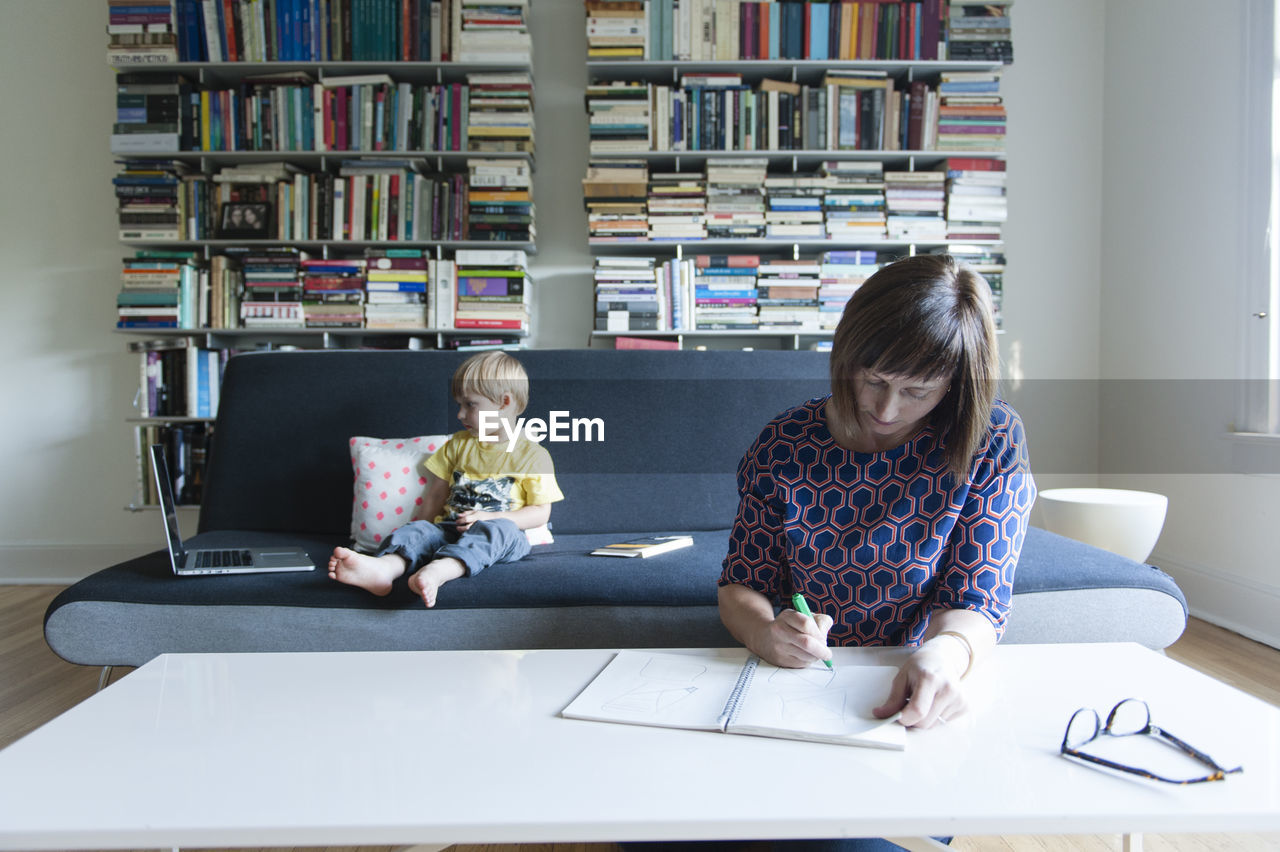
(927, 688)
(792, 640)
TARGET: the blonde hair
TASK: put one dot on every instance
(928, 317)
(492, 374)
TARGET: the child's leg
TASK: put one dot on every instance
(371, 573)
(427, 581)
(407, 547)
(484, 544)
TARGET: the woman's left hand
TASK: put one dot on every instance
(927, 689)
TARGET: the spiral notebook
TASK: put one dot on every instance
(710, 692)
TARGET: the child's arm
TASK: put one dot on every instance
(432, 499)
(525, 518)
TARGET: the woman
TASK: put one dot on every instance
(898, 504)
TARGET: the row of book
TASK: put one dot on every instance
(178, 378)
(736, 292)
(725, 30)
(846, 201)
(391, 289)
(971, 112)
(283, 287)
(178, 289)
(151, 31)
(980, 31)
(748, 292)
(293, 111)
(853, 111)
(186, 449)
(366, 200)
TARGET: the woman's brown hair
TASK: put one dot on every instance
(928, 317)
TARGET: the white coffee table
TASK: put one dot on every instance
(466, 747)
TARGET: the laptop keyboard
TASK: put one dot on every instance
(223, 558)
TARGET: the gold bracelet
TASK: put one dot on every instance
(967, 646)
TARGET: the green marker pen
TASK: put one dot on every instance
(801, 606)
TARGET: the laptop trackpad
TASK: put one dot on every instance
(281, 559)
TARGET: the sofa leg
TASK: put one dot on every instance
(104, 678)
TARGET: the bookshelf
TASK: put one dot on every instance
(272, 167)
(892, 107)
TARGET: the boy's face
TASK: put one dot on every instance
(471, 405)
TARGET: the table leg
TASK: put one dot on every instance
(1132, 842)
(925, 844)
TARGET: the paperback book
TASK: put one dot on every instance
(645, 547)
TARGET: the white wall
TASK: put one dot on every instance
(1173, 250)
(1052, 283)
(564, 311)
(66, 380)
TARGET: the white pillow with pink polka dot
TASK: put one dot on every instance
(389, 484)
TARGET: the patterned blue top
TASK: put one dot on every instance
(878, 540)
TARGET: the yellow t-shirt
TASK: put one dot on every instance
(485, 476)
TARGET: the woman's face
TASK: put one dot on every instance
(893, 408)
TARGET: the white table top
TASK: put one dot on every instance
(466, 747)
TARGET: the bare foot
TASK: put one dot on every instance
(371, 573)
(427, 581)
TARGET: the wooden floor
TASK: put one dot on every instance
(36, 686)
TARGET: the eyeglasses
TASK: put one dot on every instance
(1131, 717)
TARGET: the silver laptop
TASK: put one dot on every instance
(215, 560)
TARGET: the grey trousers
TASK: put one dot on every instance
(483, 544)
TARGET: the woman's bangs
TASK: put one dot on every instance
(920, 353)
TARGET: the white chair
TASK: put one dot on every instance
(1124, 522)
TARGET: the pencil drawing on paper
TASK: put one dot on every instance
(795, 678)
(664, 682)
(804, 697)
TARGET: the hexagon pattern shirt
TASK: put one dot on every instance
(879, 540)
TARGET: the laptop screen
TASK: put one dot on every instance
(168, 505)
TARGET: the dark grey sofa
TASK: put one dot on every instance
(676, 424)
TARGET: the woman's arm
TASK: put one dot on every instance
(927, 689)
(969, 607)
(790, 640)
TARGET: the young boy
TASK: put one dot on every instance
(480, 497)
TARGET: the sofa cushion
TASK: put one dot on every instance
(1068, 591)
(676, 424)
(558, 596)
(389, 484)
(312, 403)
(557, 574)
